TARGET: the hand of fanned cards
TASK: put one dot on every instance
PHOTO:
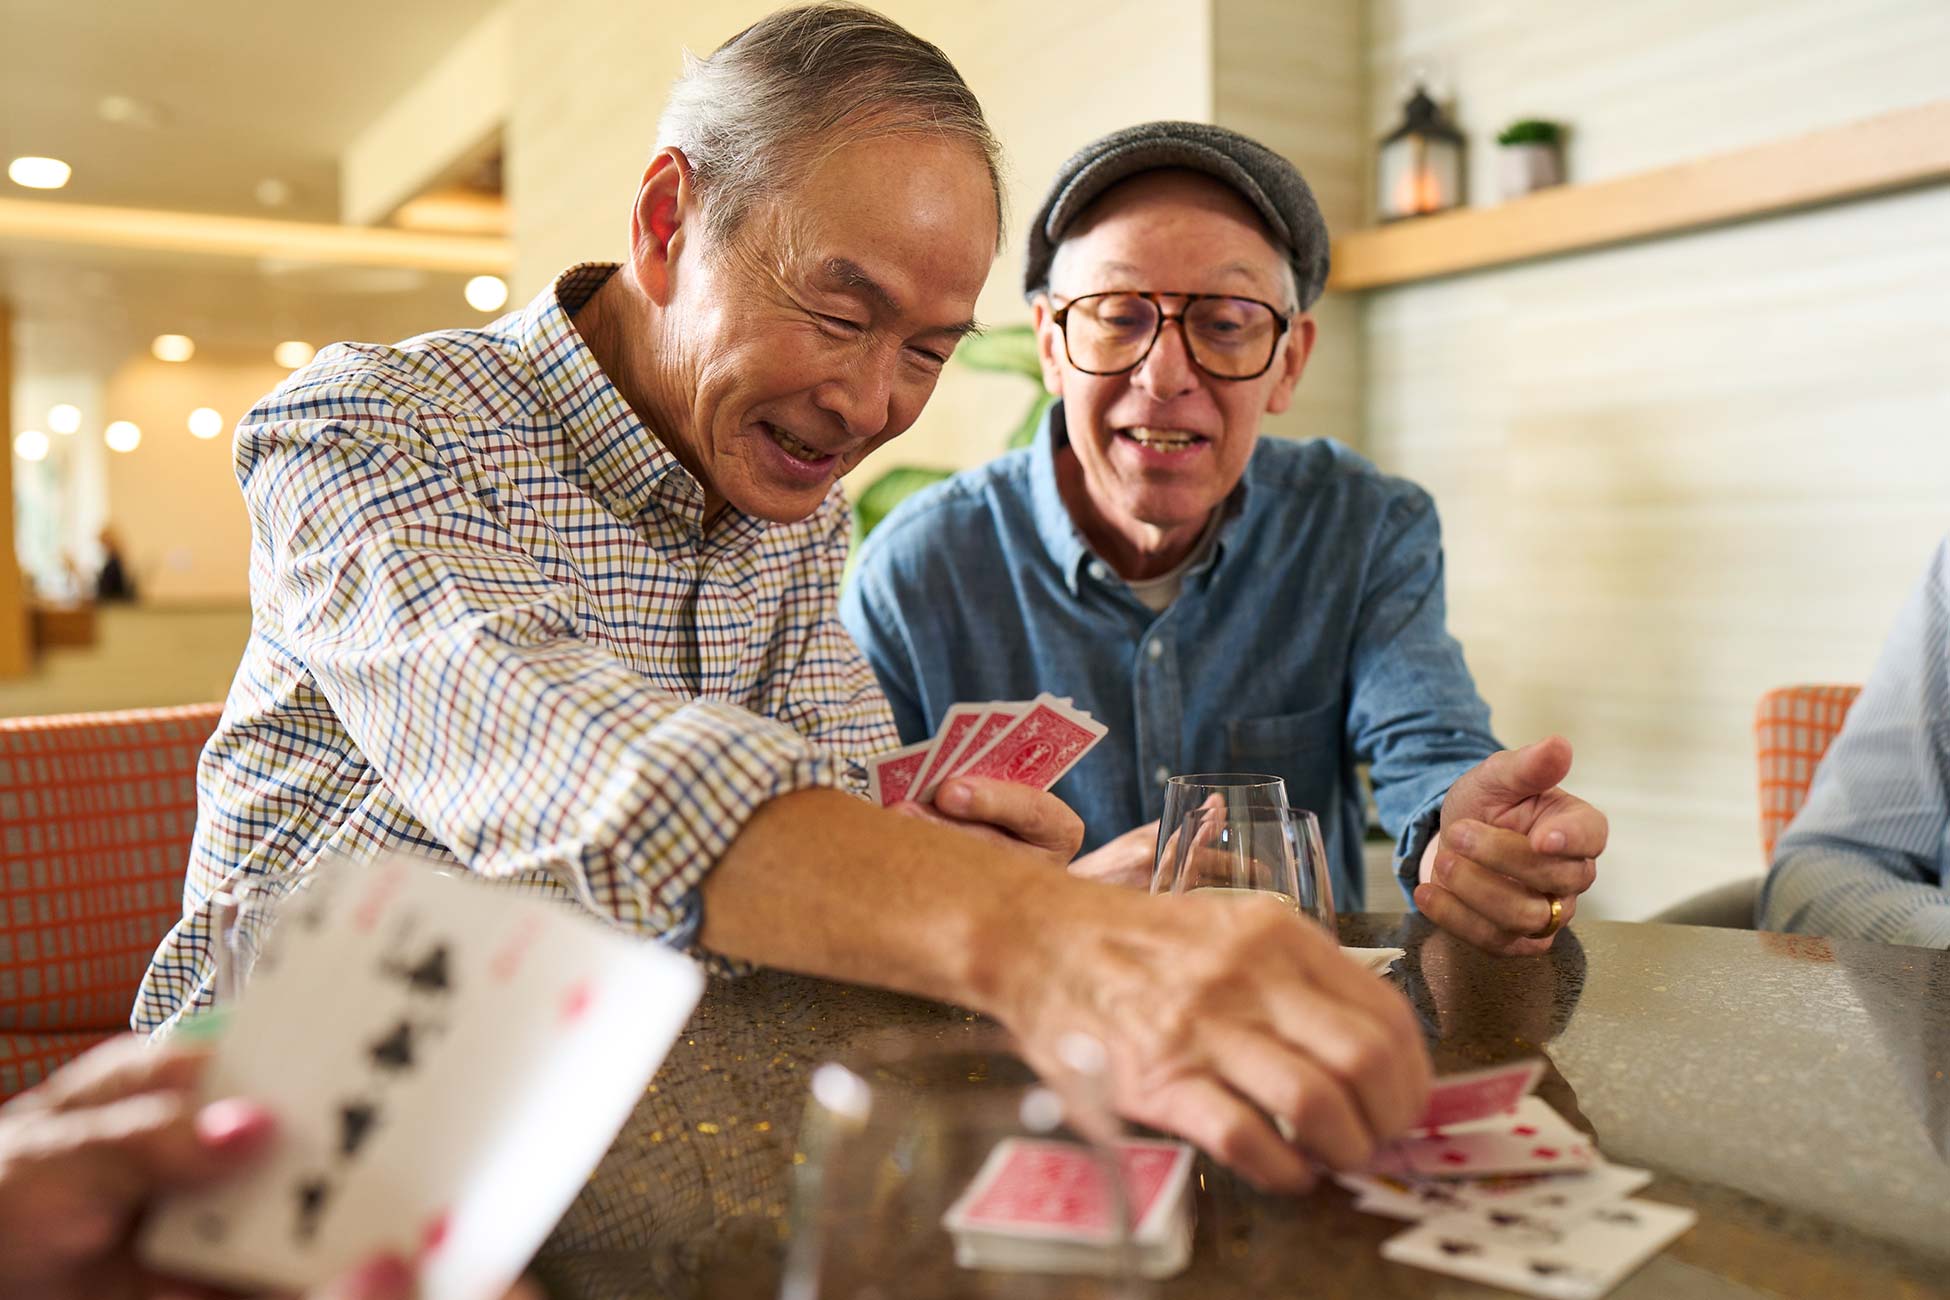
(1504, 1191)
(1025, 742)
(447, 1060)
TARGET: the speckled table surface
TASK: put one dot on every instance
(1795, 1092)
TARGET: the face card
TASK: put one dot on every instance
(1479, 1094)
(1579, 1259)
(956, 724)
(1038, 747)
(1533, 1139)
(891, 776)
(1056, 1190)
(447, 1060)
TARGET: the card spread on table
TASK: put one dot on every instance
(1577, 1258)
(447, 1060)
(1032, 742)
(1530, 1139)
(1042, 1205)
(1479, 1094)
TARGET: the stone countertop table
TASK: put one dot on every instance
(1793, 1091)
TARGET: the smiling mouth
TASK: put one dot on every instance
(1163, 439)
(794, 448)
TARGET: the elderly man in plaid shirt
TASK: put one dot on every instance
(556, 600)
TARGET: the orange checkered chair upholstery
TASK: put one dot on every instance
(1793, 727)
(96, 813)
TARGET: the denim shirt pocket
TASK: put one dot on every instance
(1284, 737)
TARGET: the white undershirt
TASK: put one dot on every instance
(1156, 594)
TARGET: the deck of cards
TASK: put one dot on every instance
(1045, 1206)
(447, 1060)
(1502, 1190)
(1025, 742)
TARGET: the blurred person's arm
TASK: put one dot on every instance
(1864, 858)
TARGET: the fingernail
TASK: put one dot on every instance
(1459, 837)
(952, 797)
(384, 1277)
(1554, 842)
(224, 1124)
(1445, 870)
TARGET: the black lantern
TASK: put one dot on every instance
(1420, 166)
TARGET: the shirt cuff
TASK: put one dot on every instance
(1416, 836)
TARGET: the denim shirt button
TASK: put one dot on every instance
(1156, 650)
(1098, 571)
(1163, 773)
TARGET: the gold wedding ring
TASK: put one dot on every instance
(1556, 921)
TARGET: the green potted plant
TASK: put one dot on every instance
(1530, 156)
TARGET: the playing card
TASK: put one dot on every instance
(1546, 1195)
(1377, 960)
(447, 1060)
(1044, 1207)
(891, 777)
(1577, 1259)
(1037, 748)
(1039, 1188)
(993, 723)
(1479, 1094)
(956, 725)
(1533, 1139)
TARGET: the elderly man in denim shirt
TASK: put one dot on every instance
(1222, 602)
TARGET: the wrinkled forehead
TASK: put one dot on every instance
(1171, 223)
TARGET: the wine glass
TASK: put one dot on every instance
(897, 1134)
(1230, 851)
(1210, 790)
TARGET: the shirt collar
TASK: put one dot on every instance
(624, 463)
(1058, 530)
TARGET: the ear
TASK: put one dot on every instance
(665, 204)
(1049, 343)
(1298, 347)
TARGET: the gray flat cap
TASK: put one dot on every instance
(1269, 182)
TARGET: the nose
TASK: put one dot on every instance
(1168, 371)
(861, 397)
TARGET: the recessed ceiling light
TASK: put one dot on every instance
(30, 444)
(39, 173)
(64, 418)
(272, 192)
(173, 347)
(292, 353)
(125, 111)
(486, 293)
(122, 436)
(206, 422)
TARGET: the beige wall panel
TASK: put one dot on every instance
(1646, 84)
(1293, 76)
(594, 76)
(174, 499)
(1672, 476)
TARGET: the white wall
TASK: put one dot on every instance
(1675, 474)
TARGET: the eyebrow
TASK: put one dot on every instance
(851, 275)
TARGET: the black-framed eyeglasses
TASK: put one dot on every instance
(1226, 337)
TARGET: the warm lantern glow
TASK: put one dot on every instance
(122, 436)
(206, 422)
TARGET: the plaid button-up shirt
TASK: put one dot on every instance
(490, 627)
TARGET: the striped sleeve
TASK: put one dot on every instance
(1865, 857)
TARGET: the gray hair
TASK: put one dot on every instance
(830, 73)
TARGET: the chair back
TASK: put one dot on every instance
(96, 815)
(1793, 728)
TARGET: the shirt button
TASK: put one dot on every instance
(1098, 571)
(1156, 650)
(1163, 774)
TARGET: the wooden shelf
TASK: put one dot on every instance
(1893, 151)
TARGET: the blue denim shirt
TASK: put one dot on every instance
(1309, 641)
